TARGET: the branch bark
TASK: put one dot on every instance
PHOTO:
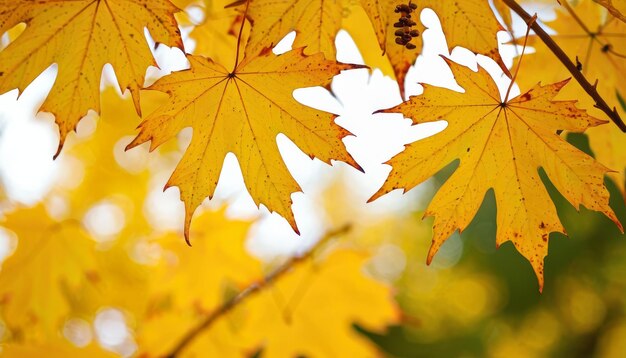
(251, 290)
(571, 67)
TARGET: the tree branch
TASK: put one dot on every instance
(571, 67)
(251, 290)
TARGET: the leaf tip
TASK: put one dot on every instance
(294, 226)
(59, 149)
(354, 66)
(376, 195)
(186, 229)
(131, 145)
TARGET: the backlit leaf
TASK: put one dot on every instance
(242, 112)
(500, 146)
(80, 37)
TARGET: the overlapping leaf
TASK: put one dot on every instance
(297, 307)
(616, 7)
(56, 271)
(80, 37)
(202, 276)
(316, 23)
(57, 349)
(470, 24)
(383, 16)
(216, 35)
(505, 13)
(190, 282)
(599, 47)
(286, 319)
(41, 279)
(242, 112)
(500, 146)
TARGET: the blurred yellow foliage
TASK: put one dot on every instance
(41, 279)
(67, 267)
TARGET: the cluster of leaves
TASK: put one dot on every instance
(237, 97)
(65, 272)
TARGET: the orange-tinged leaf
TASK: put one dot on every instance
(51, 261)
(500, 146)
(316, 23)
(242, 112)
(616, 7)
(80, 37)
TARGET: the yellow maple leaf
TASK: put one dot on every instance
(200, 276)
(617, 8)
(200, 280)
(500, 145)
(382, 16)
(290, 319)
(189, 282)
(101, 277)
(80, 37)
(316, 23)
(54, 349)
(609, 148)
(216, 35)
(505, 13)
(598, 45)
(154, 341)
(242, 112)
(470, 24)
(51, 261)
(294, 309)
(361, 30)
(596, 41)
(103, 176)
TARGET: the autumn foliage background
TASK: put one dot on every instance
(94, 261)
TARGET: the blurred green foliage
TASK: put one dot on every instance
(581, 312)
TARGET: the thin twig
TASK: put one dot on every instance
(519, 64)
(253, 289)
(573, 14)
(571, 67)
(243, 22)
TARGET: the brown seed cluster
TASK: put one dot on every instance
(405, 32)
